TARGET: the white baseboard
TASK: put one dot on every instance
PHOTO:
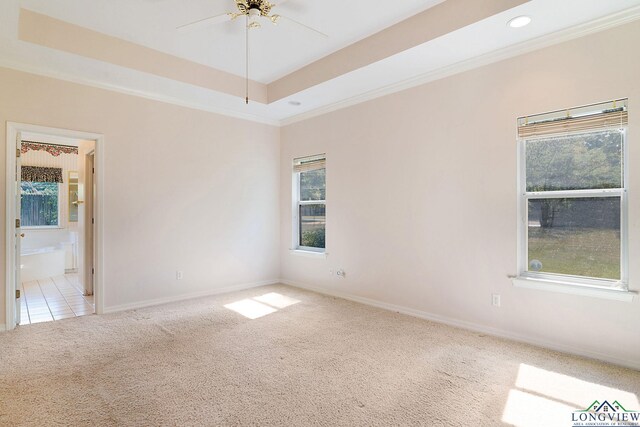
(627, 363)
(183, 297)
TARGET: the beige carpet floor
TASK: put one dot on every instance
(298, 359)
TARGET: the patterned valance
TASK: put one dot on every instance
(40, 174)
(53, 149)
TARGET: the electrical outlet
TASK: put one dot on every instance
(179, 275)
(495, 300)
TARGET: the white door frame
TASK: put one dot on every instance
(10, 256)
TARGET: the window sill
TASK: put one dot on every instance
(564, 288)
(308, 254)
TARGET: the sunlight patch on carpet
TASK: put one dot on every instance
(277, 300)
(528, 410)
(543, 397)
(251, 309)
(257, 307)
(569, 389)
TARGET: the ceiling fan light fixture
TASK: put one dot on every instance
(254, 18)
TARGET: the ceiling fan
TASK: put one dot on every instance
(254, 12)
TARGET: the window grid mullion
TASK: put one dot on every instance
(574, 194)
(312, 202)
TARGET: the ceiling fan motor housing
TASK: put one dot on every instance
(246, 6)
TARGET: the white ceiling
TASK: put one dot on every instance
(275, 50)
(152, 22)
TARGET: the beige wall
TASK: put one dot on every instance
(184, 189)
(422, 199)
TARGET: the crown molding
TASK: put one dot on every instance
(153, 96)
(578, 31)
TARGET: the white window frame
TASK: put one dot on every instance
(564, 282)
(50, 227)
(296, 218)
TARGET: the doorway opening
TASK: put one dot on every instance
(53, 244)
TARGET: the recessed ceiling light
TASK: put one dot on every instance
(295, 103)
(519, 22)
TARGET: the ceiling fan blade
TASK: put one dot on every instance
(275, 18)
(211, 20)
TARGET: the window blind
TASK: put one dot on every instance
(611, 114)
(306, 164)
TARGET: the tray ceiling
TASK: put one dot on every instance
(289, 63)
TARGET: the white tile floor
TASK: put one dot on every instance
(52, 299)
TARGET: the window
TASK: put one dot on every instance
(40, 204)
(309, 195)
(573, 196)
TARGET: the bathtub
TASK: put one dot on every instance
(40, 263)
